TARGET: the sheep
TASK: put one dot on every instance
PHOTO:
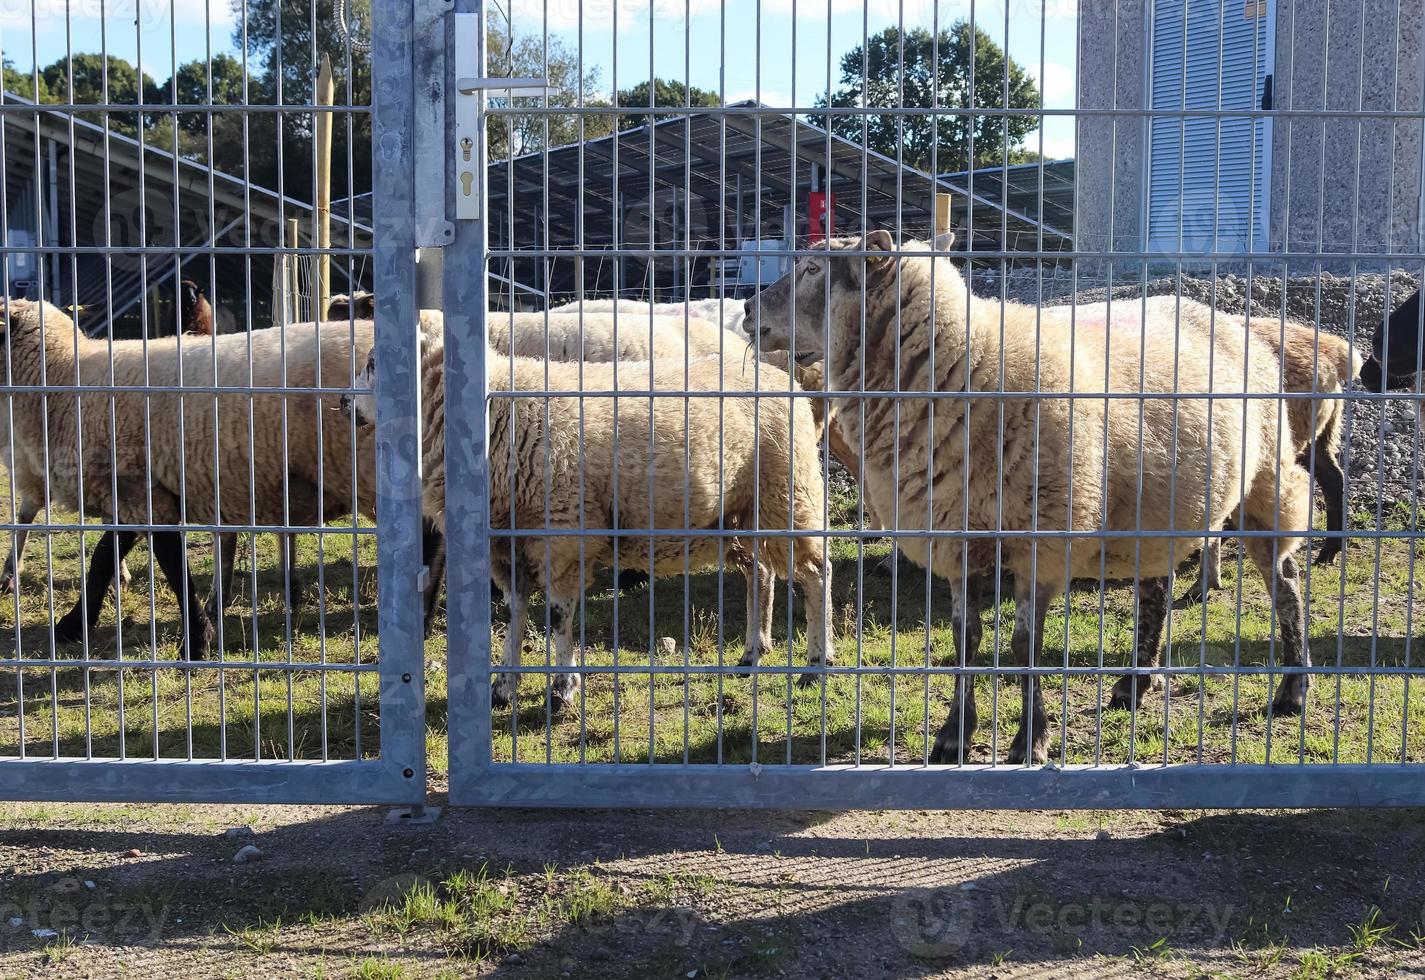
(1312, 361)
(740, 475)
(601, 337)
(357, 306)
(1119, 477)
(570, 337)
(1394, 364)
(729, 312)
(155, 462)
(195, 312)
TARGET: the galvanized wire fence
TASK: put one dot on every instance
(196, 615)
(795, 405)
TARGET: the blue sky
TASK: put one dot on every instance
(772, 50)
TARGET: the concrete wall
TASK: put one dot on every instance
(1342, 184)
(1338, 184)
(1108, 208)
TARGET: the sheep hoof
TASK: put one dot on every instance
(809, 679)
(1038, 756)
(748, 660)
(1325, 558)
(1124, 697)
(500, 695)
(1191, 597)
(9, 582)
(1291, 695)
(69, 629)
(948, 749)
(564, 692)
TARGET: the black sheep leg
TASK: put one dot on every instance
(103, 563)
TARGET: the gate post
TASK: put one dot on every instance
(467, 512)
(398, 455)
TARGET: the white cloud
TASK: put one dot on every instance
(1057, 146)
(1057, 84)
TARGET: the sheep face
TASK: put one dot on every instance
(23, 316)
(362, 407)
(357, 306)
(1395, 350)
(840, 279)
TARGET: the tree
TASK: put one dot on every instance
(23, 83)
(190, 86)
(281, 41)
(872, 78)
(89, 73)
(524, 56)
(667, 93)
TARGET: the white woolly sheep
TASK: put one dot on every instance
(268, 469)
(1006, 461)
(735, 474)
(1312, 361)
(729, 312)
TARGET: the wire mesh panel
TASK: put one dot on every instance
(929, 405)
(191, 585)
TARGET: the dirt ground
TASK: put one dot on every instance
(153, 891)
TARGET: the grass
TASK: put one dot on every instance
(477, 914)
(277, 711)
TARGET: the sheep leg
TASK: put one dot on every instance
(814, 576)
(433, 557)
(172, 559)
(1286, 510)
(516, 590)
(104, 560)
(15, 560)
(1332, 482)
(1209, 576)
(561, 622)
(287, 560)
(1291, 622)
(761, 589)
(1128, 693)
(1031, 603)
(952, 743)
(224, 573)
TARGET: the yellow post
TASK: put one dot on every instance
(322, 146)
(942, 216)
(294, 278)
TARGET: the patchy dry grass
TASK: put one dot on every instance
(879, 714)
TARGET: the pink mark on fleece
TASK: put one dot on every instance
(1125, 316)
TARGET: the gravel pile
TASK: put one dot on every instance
(1382, 455)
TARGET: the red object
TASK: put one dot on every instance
(819, 215)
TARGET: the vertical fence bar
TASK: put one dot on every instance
(398, 446)
(467, 514)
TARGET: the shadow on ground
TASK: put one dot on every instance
(736, 893)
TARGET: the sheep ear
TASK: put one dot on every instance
(944, 241)
(878, 241)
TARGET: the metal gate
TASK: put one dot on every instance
(708, 161)
(203, 219)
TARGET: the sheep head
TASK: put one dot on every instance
(357, 306)
(794, 311)
(196, 313)
(362, 407)
(22, 318)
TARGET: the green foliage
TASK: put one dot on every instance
(530, 56)
(668, 93)
(917, 70)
